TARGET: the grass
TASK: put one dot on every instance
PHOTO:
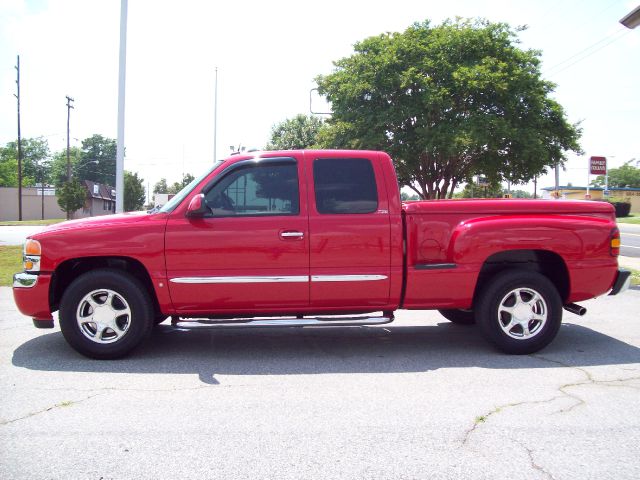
(633, 219)
(12, 223)
(10, 263)
(635, 277)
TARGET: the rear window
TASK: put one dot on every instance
(345, 185)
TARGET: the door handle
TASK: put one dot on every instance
(290, 234)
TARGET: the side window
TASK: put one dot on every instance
(345, 185)
(253, 190)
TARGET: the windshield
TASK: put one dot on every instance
(175, 201)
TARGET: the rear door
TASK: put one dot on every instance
(350, 231)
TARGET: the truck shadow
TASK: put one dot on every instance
(283, 351)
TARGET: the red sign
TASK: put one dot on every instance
(598, 165)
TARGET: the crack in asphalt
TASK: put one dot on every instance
(619, 383)
(48, 409)
(483, 418)
(532, 460)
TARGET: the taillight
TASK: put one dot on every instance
(614, 248)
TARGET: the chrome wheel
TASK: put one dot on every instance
(104, 316)
(522, 313)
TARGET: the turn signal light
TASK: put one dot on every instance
(614, 249)
(32, 247)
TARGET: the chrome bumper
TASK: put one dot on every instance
(622, 283)
(24, 280)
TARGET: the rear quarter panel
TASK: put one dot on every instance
(459, 245)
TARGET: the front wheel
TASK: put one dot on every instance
(520, 311)
(105, 314)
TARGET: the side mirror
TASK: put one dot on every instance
(197, 207)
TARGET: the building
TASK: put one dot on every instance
(631, 195)
(37, 203)
(101, 200)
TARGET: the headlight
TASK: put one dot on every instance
(31, 256)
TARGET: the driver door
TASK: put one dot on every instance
(251, 252)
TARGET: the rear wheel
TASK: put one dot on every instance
(519, 311)
(105, 314)
(460, 317)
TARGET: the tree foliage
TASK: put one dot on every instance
(625, 176)
(161, 186)
(35, 156)
(177, 186)
(134, 195)
(58, 166)
(71, 196)
(97, 160)
(295, 133)
(448, 102)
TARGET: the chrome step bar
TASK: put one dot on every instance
(198, 324)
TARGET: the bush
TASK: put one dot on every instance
(623, 209)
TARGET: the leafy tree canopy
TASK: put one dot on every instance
(295, 133)
(625, 176)
(177, 186)
(35, 156)
(448, 102)
(58, 166)
(71, 196)
(97, 160)
(134, 195)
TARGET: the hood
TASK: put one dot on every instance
(101, 222)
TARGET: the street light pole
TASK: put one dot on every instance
(121, 96)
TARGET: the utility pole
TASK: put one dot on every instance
(69, 107)
(19, 146)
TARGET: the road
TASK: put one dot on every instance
(630, 236)
(420, 398)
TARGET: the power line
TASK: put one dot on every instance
(587, 52)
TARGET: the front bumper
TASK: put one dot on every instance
(622, 283)
(31, 294)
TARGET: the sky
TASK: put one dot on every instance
(267, 55)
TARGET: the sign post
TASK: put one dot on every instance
(598, 166)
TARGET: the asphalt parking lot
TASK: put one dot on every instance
(420, 398)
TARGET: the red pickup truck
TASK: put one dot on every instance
(318, 238)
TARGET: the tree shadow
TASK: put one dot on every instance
(304, 351)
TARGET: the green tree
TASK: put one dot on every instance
(177, 186)
(58, 165)
(71, 196)
(625, 176)
(134, 195)
(473, 190)
(448, 102)
(161, 186)
(295, 133)
(97, 160)
(35, 156)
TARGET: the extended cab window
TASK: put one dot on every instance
(345, 185)
(256, 189)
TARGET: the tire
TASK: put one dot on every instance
(124, 308)
(459, 317)
(520, 311)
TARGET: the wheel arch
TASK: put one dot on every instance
(69, 270)
(545, 262)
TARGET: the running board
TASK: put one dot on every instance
(198, 324)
